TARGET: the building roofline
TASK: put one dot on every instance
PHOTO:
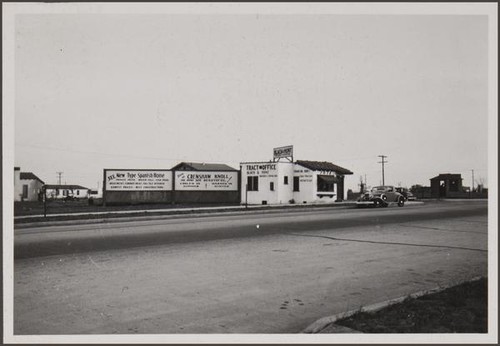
(248, 162)
(30, 176)
(67, 186)
(335, 168)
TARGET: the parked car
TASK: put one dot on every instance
(406, 193)
(381, 196)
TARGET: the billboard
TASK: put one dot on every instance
(137, 180)
(206, 181)
(283, 152)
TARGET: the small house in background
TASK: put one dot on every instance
(66, 192)
(447, 186)
(27, 186)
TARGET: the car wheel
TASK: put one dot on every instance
(401, 202)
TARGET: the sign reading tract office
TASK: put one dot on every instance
(138, 180)
(206, 181)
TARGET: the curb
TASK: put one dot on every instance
(322, 323)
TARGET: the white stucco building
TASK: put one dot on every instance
(27, 186)
(66, 191)
(291, 182)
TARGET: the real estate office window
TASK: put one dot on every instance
(252, 183)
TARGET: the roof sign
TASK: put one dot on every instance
(283, 152)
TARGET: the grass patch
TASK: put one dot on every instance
(459, 309)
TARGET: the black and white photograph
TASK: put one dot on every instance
(311, 173)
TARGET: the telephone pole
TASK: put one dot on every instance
(472, 180)
(59, 173)
(383, 162)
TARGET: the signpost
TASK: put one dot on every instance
(246, 196)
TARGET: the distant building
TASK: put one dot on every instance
(281, 182)
(27, 186)
(66, 191)
(447, 186)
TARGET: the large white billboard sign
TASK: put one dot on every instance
(206, 181)
(137, 180)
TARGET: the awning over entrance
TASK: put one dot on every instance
(329, 179)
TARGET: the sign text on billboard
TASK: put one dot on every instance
(206, 181)
(138, 180)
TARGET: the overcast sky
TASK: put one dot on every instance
(97, 91)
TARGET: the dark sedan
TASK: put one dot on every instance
(381, 196)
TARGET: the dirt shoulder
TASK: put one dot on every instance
(459, 309)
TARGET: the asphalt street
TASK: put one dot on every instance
(73, 238)
(254, 273)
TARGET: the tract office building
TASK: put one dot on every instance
(292, 182)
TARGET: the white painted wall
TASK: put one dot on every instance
(267, 172)
(285, 169)
(34, 188)
(307, 185)
(18, 188)
(77, 193)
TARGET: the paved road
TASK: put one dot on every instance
(73, 238)
(222, 274)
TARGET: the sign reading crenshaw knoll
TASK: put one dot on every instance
(206, 181)
(138, 180)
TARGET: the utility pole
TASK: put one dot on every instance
(472, 180)
(60, 174)
(246, 196)
(383, 162)
(44, 189)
